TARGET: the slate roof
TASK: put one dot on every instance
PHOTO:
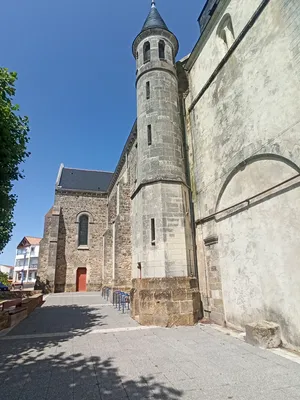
(207, 12)
(154, 19)
(81, 179)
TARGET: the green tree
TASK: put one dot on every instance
(13, 151)
(3, 278)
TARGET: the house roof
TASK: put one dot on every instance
(33, 240)
(154, 19)
(6, 266)
(29, 241)
(85, 180)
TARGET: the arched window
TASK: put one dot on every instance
(161, 49)
(225, 32)
(147, 52)
(83, 230)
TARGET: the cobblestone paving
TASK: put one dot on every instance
(77, 346)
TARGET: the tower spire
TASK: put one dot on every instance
(154, 20)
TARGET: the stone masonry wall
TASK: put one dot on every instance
(123, 237)
(70, 257)
(108, 259)
(44, 249)
(165, 301)
(117, 238)
(132, 167)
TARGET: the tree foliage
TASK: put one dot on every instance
(4, 278)
(13, 151)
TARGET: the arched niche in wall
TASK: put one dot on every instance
(258, 247)
(253, 176)
(225, 32)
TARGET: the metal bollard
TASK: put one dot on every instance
(123, 303)
(119, 302)
(116, 298)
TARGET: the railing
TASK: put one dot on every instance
(121, 300)
(22, 252)
(20, 267)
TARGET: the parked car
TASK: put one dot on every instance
(3, 288)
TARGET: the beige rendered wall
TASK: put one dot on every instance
(245, 135)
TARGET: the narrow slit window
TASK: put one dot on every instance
(147, 50)
(161, 49)
(83, 230)
(147, 90)
(153, 231)
(149, 128)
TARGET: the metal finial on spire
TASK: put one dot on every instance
(154, 20)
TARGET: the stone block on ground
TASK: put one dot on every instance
(263, 334)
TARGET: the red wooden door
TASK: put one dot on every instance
(81, 280)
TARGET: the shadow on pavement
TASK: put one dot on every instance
(71, 319)
(64, 367)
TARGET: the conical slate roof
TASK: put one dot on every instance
(154, 19)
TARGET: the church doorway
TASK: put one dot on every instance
(81, 280)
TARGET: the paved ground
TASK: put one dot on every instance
(77, 346)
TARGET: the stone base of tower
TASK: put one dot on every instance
(166, 301)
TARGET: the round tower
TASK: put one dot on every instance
(158, 119)
(162, 248)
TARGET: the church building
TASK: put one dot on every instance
(201, 216)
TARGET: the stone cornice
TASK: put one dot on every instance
(155, 181)
(155, 32)
(76, 192)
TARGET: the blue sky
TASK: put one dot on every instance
(77, 86)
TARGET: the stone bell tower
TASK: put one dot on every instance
(164, 292)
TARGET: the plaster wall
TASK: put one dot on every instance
(250, 111)
(259, 247)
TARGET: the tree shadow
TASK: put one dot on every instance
(55, 354)
(67, 320)
(71, 366)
